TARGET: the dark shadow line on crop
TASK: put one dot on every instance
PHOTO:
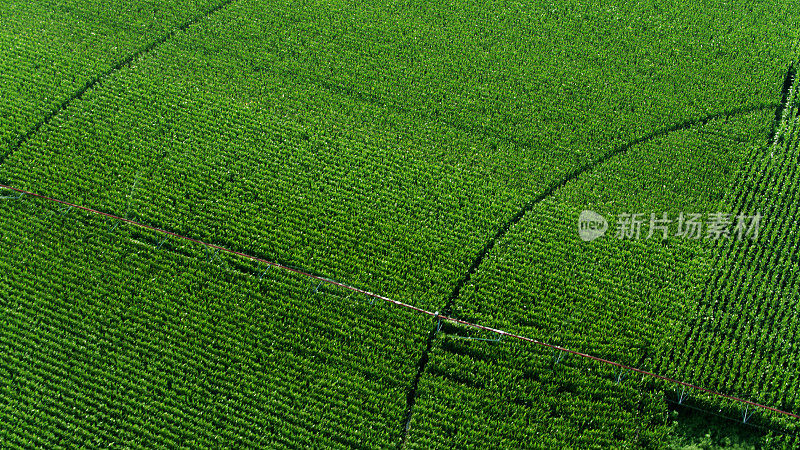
(374, 99)
(411, 395)
(788, 81)
(125, 62)
(552, 189)
(168, 244)
(689, 404)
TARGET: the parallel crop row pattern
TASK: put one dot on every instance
(50, 50)
(743, 335)
(106, 340)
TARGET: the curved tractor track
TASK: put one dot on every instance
(98, 78)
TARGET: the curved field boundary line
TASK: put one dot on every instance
(605, 157)
(435, 315)
(92, 82)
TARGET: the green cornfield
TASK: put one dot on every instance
(275, 223)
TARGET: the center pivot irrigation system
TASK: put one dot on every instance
(501, 333)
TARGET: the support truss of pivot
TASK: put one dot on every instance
(558, 355)
(747, 414)
(211, 254)
(163, 241)
(316, 289)
(468, 338)
(261, 275)
(683, 395)
(18, 196)
(63, 211)
(113, 226)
